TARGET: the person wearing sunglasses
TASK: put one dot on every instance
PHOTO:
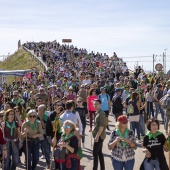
(12, 136)
(70, 142)
(83, 112)
(90, 106)
(32, 128)
(122, 144)
(17, 101)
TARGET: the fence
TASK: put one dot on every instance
(38, 59)
(3, 57)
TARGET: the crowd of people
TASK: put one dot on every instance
(49, 111)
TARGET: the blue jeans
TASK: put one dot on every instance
(74, 165)
(118, 165)
(151, 165)
(142, 124)
(159, 108)
(46, 149)
(15, 157)
(135, 125)
(83, 133)
(33, 154)
(150, 109)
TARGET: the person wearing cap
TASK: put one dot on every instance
(117, 106)
(105, 104)
(122, 144)
(43, 96)
(125, 93)
(158, 94)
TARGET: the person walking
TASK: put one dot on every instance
(99, 135)
(158, 94)
(90, 105)
(105, 104)
(12, 136)
(153, 145)
(122, 144)
(117, 106)
(33, 132)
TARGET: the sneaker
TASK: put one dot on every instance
(107, 127)
(42, 157)
(139, 141)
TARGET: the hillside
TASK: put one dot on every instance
(20, 60)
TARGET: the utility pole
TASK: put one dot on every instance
(153, 62)
(164, 63)
(165, 60)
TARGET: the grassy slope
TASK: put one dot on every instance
(20, 60)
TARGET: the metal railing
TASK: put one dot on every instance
(38, 59)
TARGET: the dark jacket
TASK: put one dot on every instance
(117, 104)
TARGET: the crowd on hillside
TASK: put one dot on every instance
(49, 111)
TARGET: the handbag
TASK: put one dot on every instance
(134, 118)
(60, 154)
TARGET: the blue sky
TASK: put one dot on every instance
(128, 27)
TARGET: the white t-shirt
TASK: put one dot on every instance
(86, 81)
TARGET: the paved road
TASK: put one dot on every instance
(87, 161)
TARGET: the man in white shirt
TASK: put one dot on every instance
(68, 114)
(86, 81)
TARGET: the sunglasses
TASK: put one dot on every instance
(32, 116)
(1, 115)
(79, 101)
(124, 123)
(66, 127)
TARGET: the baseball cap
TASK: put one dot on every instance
(159, 85)
(102, 88)
(122, 119)
(118, 89)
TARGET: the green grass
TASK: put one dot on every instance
(20, 60)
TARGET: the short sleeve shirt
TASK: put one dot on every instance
(155, 146)
(100, 121)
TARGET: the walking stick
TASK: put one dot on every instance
(26, 152)
(55, 138)
(3, 163)
(169, 150)
(91, 140)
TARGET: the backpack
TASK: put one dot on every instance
(166, 103)
(130, 108)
